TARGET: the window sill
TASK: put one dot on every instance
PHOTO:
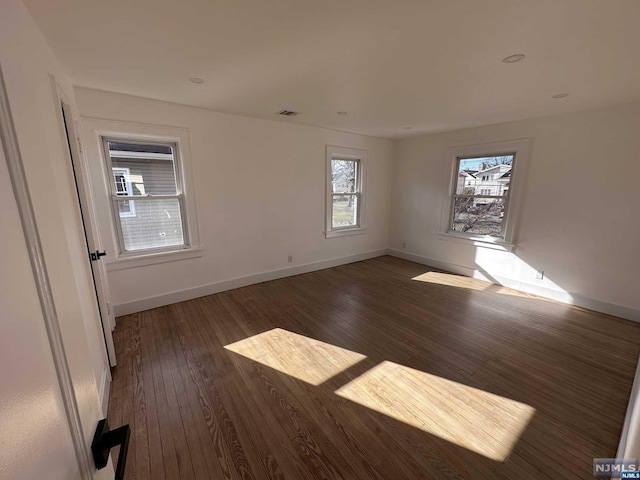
(345, 232)
(478, 241)
(142, 260)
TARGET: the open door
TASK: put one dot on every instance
(92, 234)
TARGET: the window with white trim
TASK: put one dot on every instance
(345, 191)
(483, 193)
(146, 195)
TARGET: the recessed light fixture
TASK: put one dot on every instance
(561, 95)
(196, 80)
(407, 128)
(342, 113)
(514, 58)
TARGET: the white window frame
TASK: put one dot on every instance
(520, 149)
(177, 165)
(128, 188)
(351, 154)
(94, 129)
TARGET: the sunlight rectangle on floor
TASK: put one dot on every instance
(479, 421)
(301, 357)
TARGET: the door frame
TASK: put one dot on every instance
(15, 165)
(69, 127)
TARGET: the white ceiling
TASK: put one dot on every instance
(431, 65)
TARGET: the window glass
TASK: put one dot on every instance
(157, 224)
(345, 210)
(343, 175)
(344, 187)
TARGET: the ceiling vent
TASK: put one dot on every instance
(288, 113)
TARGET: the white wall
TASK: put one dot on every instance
(260, 192)
(35, 443)
(579, 219)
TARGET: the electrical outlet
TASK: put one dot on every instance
(539, 274)
(290, 259)
(404, 245)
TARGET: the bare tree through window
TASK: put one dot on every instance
(344, 188)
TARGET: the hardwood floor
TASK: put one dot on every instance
(362, 371)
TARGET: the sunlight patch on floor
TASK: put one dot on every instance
(459, 281)
(470, 418)
(452, 280)
(301, 357)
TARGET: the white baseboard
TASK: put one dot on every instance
(570, 298)
(217, 287)
(104, 388)
(449, 267)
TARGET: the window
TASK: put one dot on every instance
(345, 191)
(146, 195)
(480, 211)
(345, 194)
(121, 180)
(486, 213)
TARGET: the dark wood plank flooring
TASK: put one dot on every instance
(361, 372)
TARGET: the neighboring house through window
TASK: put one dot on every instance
(480, 210)
(121, 177)
(146, 194)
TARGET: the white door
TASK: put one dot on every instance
(47, 414)
(92, 235)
